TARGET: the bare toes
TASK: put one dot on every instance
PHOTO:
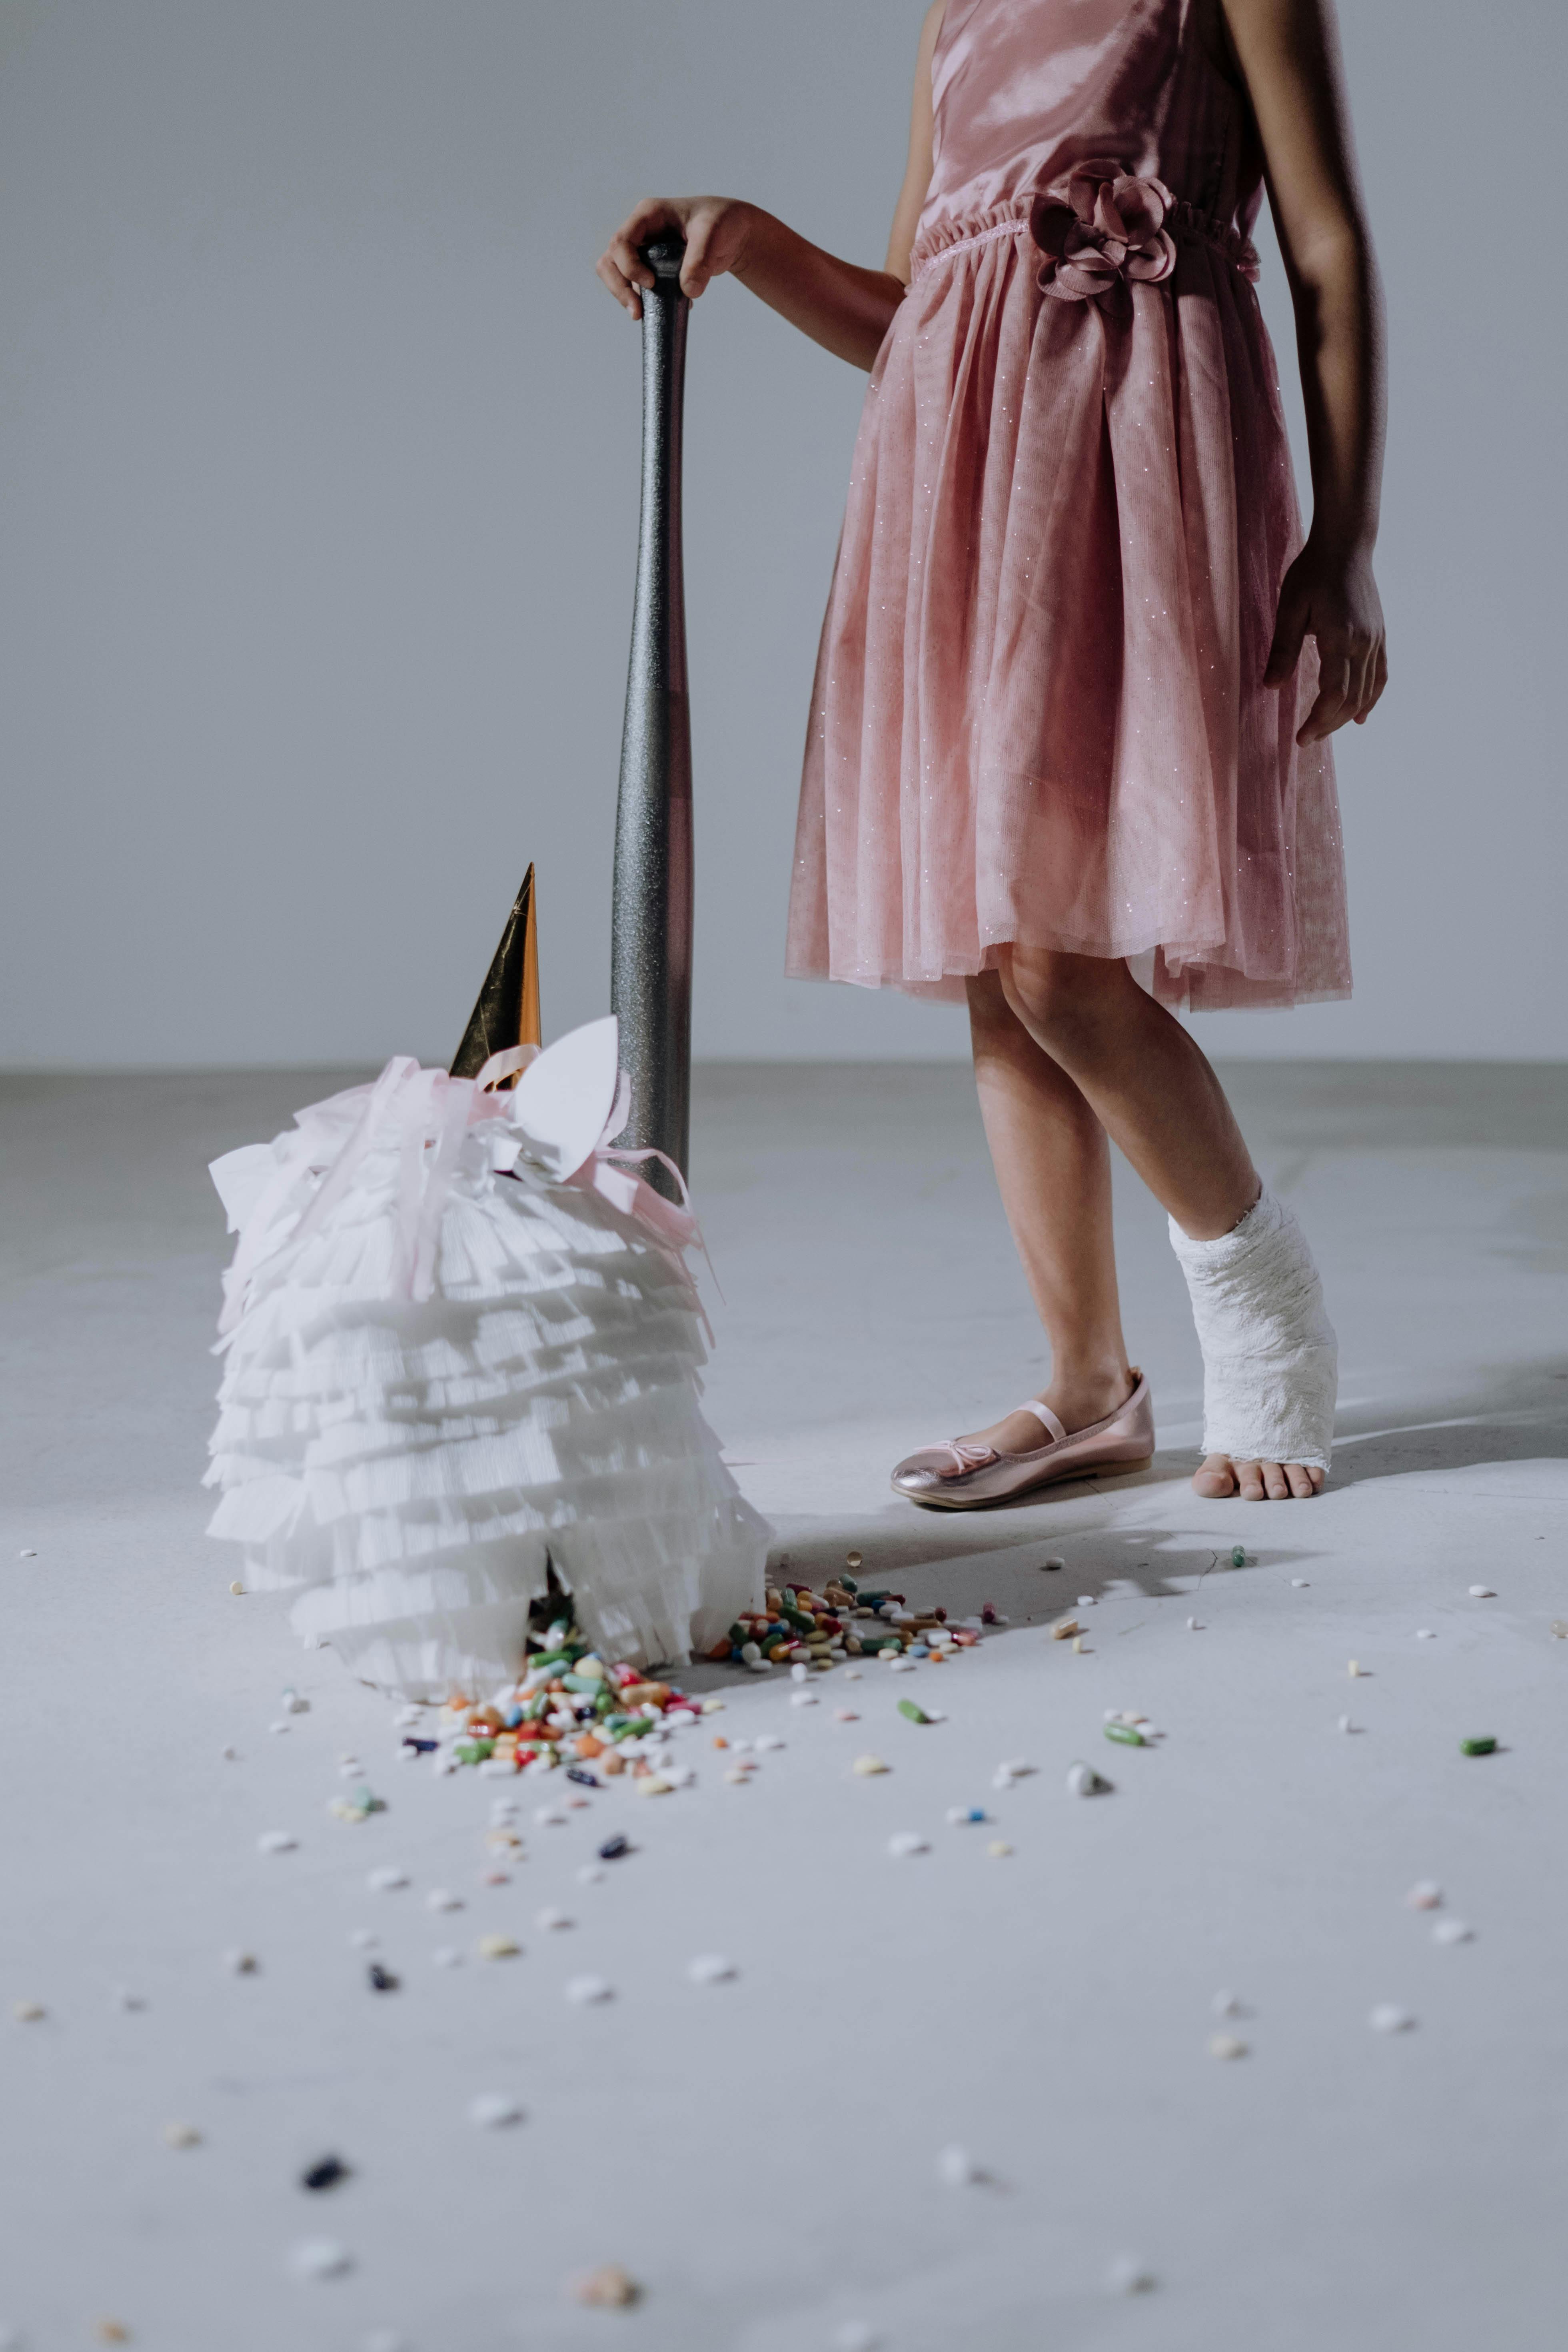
(1216, 1480)
(1250, 1480)
(1276, 1483)
(1303, 1482)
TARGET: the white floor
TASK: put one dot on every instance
(761, 2154)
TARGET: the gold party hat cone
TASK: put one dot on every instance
(507, 1012)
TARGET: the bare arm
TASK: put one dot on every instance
(1288, 53)
(840, 305)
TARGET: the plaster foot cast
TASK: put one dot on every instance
(963, 1476)
(1270, 1358)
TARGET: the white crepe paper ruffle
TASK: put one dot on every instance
(461, 1344)
(1271, 1357)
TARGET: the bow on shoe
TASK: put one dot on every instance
(1111, 228)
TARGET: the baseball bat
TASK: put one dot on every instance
(650, 920)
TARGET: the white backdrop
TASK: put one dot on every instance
(318, 481)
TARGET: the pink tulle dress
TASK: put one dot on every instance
(1039, 714)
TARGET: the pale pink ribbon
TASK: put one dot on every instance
(430, 1113)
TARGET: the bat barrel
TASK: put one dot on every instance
(650, 930)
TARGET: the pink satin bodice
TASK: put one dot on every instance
(1026, 88)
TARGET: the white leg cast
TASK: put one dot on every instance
(1271, 1357)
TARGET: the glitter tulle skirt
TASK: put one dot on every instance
(1038, 715)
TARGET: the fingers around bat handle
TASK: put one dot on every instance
(664, 253)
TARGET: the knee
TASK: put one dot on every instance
(1064, 1000)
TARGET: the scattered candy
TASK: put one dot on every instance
(499, 1947)
(614, 1848)
(584, 1991)
(27, 1554)
(438, 1899)
(958, 1814)
(845, 1714)
(1424, 1895)
(181, 2136)
(276, 1841)
(111, 2331)
(609, 2287)
(1424, 1633)
(712, 1967)
(1128, 2275)
(868, 1765)
(1482, 1593)
(1238, 1556)
(493, 2111)
(1352, 1669)
(914, 1713)
(1299, 1583)
(1064, 1628)
(1052, 1561)
(958, 2169)
(382, 1979)
(1226, 2045)
(1453, 1931)
(905, 1842)
(387, 1879)
(1345, 1724)
(551, 1919)
(320, 2258)
(1389, 2018)
(237, 1587)
(1487, 1747)
(327, 2172)
(998, 1851)
(242, 1964)
(1193, 1626)
(1083, 1781)
(1128, 1733)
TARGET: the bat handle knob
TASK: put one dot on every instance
(665, 253)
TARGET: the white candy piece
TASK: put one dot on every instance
(1299, 1583)
(364, 1939)
(712, 1967)
(590, 1874)
(1345, 1724)
(279, 1726)
(1086, 1601)
(1389, 2018)
(803, 1698)
(29, 1554)
(448, 1956)
(904, 1843)
(292, 1703)
(906, 1666)
(1053, 1560)
(767, 1740)
(276, 1841)
(1424, 1633)
(387, 1879)
(492, 2110)
(1482, 1593)
(582, 1991)
(1424, 1895)
(407, 1717)
(551, 1919)
(320, 2258)
(1083, 1781)
(957, 2168)
(1226, 2004)
(440, 1899)
(1226, 2045)
(800, 1673)
(1453, 1931)
(1193, 1626)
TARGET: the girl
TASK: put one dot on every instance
(1069, 754)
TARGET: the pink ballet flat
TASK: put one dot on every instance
(954, 1477)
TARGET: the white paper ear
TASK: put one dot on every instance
(564, 1097)
(242, 1177)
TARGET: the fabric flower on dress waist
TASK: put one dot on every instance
(1110, 229)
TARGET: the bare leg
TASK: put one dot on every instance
(1151, 1090)
(1053, 1169)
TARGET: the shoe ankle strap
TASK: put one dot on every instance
(1043, 1412)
